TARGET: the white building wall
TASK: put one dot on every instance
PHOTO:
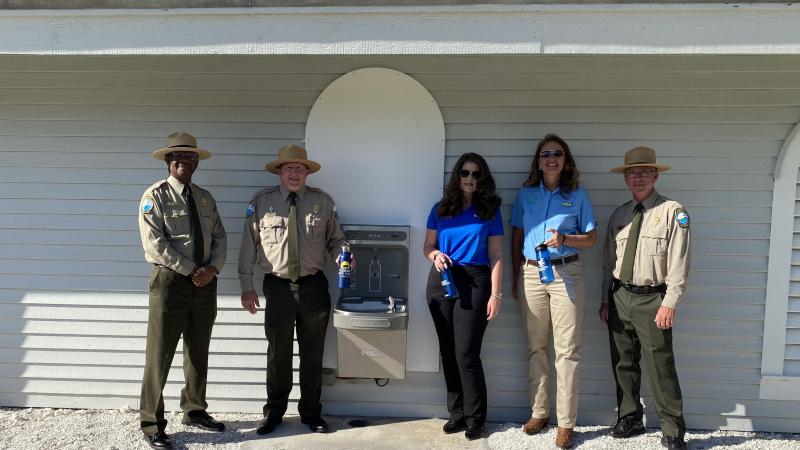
(75, 140)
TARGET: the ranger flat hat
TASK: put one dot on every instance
(292, 153)
(640, 157)
(181, 142)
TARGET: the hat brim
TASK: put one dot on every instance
(272, 166)
(658, 167)
(161, 153)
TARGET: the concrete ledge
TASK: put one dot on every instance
(425, 30)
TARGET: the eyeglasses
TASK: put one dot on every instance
(548, 153)
(191, 156)
(639, 173)
(465, 173)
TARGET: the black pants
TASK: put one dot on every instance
(633, 332)
(177, 307)
(307, 306)
(460, 325)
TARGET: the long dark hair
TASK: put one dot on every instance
(485, 200)
(569, 175)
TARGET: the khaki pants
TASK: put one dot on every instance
(557, 306)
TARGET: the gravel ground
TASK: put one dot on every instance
(65, 429)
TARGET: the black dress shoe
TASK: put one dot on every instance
(473, 432)
(267, 425)
(316, 424)
(673, 443)
(626, 427)
(454, 426)
(159, 441)
(203, 420)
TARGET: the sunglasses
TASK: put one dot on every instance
(465, 173)
(190, 156)
(548, 153)
(639, 173)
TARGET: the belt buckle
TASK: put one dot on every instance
(559, 261)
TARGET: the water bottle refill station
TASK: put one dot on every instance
(371, 316)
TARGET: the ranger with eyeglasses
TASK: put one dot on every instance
(183, 237)
(645, 265)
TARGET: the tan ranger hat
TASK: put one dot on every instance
(292, 153)
(640, 157)
(181, 142)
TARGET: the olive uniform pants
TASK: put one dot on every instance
(633, 332)
(177, 307)
(306, 306)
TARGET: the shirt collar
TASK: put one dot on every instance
(285, 193)
(543, 189)
(176, 184)
(649, 202)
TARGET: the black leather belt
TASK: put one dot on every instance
(557, 261)
(645, 290)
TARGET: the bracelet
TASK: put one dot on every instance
(563, 239)
(498, 295)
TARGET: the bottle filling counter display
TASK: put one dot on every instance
(371, 316)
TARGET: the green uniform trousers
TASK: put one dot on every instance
(304, 307)
(633, 332)
(177, 307)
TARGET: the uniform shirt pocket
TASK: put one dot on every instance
(178, 223)
(272, 229)
(653, 241)
(315, 229)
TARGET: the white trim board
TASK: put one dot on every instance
(452, 30)
(774, 385)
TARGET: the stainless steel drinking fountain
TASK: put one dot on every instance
(371, 317)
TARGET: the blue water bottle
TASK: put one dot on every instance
(345, 270)
(448, 286)
(545, 265)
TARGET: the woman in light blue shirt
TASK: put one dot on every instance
(552, 208)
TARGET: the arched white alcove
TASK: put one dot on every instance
(379, 136)
(774, 385)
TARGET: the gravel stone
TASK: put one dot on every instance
(66, 429)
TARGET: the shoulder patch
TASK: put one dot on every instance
(682, 218)
(147, 204)
(251, 209)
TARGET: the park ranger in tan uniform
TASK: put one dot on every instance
(288, 231)
(645, 265)
(183, 237)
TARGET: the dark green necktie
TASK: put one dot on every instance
(294, 246)
(626, 271)
(197, 229)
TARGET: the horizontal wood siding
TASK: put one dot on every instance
(75, 140)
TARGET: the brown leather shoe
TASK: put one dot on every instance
(564, 437)
(534, 425)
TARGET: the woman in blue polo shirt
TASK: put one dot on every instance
(465, 233)
(552, 208)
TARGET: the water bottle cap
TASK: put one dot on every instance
(541, 247)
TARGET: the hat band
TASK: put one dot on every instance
(639, 162)
(182, 146)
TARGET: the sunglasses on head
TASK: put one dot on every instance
(465, 173)
(548, 153)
